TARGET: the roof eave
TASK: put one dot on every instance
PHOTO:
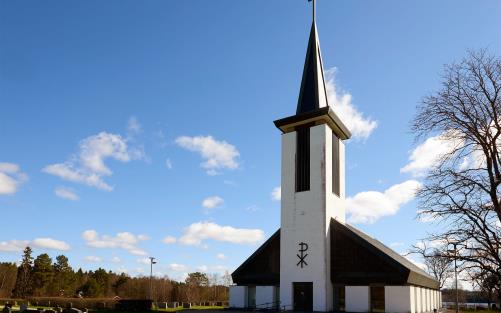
(319, 116)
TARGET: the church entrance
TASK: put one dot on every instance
(303, 296)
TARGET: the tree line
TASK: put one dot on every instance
(44, 277)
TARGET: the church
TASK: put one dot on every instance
(316, 261)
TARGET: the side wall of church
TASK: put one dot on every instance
(238, 296)
(357, 299)
(265, 296)
(398, 299)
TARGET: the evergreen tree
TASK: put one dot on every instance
(64, 277)
(92, 289)
(24, 275)
(121, 281)
(42, 274)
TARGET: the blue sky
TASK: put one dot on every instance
(119, 118)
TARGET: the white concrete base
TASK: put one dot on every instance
(398, 299)
(265, 296)
(238, 296)
(357, 299)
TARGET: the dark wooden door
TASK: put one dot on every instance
(303, 296)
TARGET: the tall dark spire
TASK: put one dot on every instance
(312, 105)
(313, 94)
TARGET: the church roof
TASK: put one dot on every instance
(356, 260)
(313, 93)
(263, 266)
(359, 259)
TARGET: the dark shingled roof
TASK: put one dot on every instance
(263, 266)
(359, 259)
(356, 259)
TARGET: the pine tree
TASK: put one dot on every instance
(64, 277)
(24, 275)
(42, 274)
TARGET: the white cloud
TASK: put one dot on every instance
(169, 240)
(432, 244)
(396, 244)
(360, 126)
(88, 166)
(13, 245)
(421, 265)
(221, 269)
(212, 202)
(168, 164)
(49, 243)
(11, 178)
(177, 267)
(276, 194)
(116, 259)
(203, 268)
(123, 240)
(475, 160)
(93, 259)
(66, 193)
(42, 243)
(67, 171)
(144, 261)
(9, 168)
(196, 233)
(133, 125)
(217, 154)
(252, 208)
(369, 206)
(221, 256)
(428, 155)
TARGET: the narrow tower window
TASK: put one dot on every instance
(335, 165)
(302, 159)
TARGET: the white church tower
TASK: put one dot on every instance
(313, 190)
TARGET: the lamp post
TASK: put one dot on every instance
(152, 261)
(455, 244)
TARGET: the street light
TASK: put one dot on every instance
(152, 261)
(455, 244)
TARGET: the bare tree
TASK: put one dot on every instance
(436, 260)
(462, 191)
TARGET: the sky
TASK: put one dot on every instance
(131, 129)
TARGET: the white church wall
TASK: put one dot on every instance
(397, 299)
(433, 300)
(300, 214)
(357, 299)
(418, 300)
(436, 302)
(428, 299)
(423, 300)
(335, 205)
(432, 305)
(238, 296)
(265, 296)
(413, 299)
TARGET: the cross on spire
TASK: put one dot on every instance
(314, 10)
